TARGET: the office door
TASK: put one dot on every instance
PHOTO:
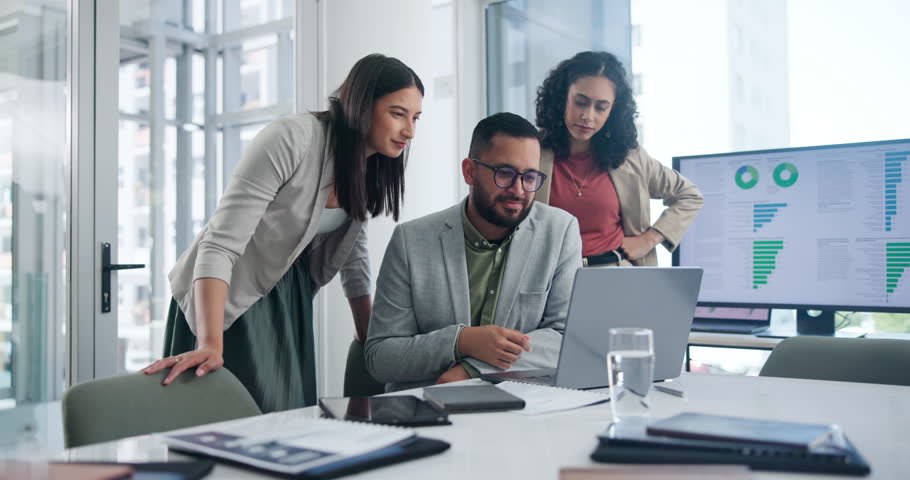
(194, 82)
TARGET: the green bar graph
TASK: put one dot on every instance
(764, 260)
(897, 261)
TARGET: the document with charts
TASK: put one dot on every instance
(285, 442)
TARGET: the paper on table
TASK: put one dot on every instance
(545, 399)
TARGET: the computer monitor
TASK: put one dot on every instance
(812, 228)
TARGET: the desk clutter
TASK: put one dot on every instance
(691, 438)
(42, 470)
(289, 443)
(657, 472)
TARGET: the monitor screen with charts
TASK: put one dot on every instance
(824, 227)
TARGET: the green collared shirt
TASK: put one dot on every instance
(485, 262)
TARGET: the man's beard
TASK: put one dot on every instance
(487, 210)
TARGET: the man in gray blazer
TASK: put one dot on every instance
(482, 286)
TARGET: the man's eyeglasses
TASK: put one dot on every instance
(504, 177)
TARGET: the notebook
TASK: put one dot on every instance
(541, 399)
(15, 469)
(291, 443)
(173, 470)
(644, 448)
(736, 429)
(472, 398)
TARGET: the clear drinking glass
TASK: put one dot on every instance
(630, 367)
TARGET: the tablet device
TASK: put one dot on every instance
(400, 410)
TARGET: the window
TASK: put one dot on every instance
(169, 180)
(773, 74)
(527, 38)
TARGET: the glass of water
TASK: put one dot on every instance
(630, 368)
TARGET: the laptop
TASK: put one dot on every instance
(662, 299)
(731, 319)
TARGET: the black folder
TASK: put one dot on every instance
(651, 449)
(413, 448)
(410, 449)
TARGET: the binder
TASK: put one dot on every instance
(410, 449)
(652, 449)
(291, 444)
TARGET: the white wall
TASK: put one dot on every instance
(421, 35)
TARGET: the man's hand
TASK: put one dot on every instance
(639, 246)
(453, 374)
(493, 344)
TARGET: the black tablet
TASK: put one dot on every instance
(401, 410)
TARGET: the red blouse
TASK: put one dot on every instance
(597, 208)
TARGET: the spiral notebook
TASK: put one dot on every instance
(540, 399)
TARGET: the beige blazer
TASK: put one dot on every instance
(267, 217)
(639, 179)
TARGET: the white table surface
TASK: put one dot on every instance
(511, 445)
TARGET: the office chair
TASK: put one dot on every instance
(357, 379)
(136, 404)
(866, 360)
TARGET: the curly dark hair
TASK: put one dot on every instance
(612, 143)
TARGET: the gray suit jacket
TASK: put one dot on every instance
(269, 213)
(422, 295)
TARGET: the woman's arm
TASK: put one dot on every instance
(681, 197)
(210, 295)
(360, 309)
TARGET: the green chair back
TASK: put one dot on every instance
(866, 360)
(357, 379)
(136, 404)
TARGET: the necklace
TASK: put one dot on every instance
(579, 186)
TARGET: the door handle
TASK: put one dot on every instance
(106, 268)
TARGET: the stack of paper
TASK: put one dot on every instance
(545, 399)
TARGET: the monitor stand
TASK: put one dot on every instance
(815, 322)
(819, 324)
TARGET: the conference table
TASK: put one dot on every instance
(876, 418)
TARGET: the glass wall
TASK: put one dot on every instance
(197, 80)
(34, 162)
(528, 38)
(718, 76)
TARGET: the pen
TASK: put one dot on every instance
(671, 391)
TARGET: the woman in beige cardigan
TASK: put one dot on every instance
(293, 215)
(598, 171)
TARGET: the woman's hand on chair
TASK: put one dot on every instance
(204, 358)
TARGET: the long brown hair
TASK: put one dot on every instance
(373, 185)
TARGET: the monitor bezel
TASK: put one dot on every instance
(800, 306)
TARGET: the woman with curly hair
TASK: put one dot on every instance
(598, 171)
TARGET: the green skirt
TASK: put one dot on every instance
(270, 347)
